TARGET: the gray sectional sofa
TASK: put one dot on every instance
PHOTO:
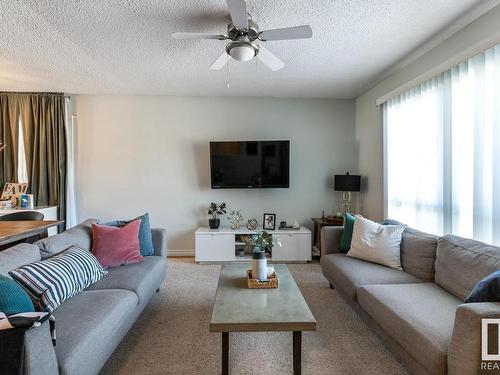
(420, 311)
(91, 324)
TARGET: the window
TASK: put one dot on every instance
(442, 151)
(22, 171)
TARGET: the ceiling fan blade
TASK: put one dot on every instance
(295, 32)
(197, 36)
(220, 62)
(238, 10)
(271, 61)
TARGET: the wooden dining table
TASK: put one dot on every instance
(13, 231)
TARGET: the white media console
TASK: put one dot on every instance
(225, 245)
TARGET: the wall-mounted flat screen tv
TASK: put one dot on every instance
(250, 164)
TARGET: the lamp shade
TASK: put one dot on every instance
(347, 182)
(242, 53)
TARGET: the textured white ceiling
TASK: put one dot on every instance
(124, 46)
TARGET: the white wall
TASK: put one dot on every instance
(484, 31)
(138, 154)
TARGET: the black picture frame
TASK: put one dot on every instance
(269, 222)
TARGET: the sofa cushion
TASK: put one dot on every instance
(376, 243)
(418, 253)
(348, 274)
(116, 246)
(145, 235)
(461, 263)
(80, 235)
(90, 326)
(142, 278)
(419, 317)
(51, 281)
(17, 256)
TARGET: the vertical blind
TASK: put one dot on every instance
(442, 151)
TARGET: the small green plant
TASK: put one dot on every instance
(259, 242)
(216, 209)
(235, 218)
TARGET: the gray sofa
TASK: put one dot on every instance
(420, 312)
(91, 324)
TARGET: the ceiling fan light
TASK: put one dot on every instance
(242, 52)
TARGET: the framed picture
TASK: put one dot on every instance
(269, 221)
(11, 189)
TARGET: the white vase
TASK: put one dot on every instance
(259, 265)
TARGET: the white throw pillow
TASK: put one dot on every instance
(376, 243)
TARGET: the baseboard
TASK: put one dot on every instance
(180, 253)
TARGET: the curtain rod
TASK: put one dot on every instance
(457, 59)
(34, 93)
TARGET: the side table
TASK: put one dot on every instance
(318, 224)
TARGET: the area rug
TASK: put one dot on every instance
(172, 337)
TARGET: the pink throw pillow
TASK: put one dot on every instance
(114, 246)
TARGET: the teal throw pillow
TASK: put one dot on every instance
(345, 239)
(13, 298)
(145, 236)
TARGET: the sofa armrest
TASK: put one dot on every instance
(330, 239)
(39, 354)
(159, 241)
(464, 352)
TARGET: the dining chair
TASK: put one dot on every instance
(22, 216)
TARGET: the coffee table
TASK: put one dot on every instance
(239, 309)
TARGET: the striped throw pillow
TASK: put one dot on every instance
(52, 281)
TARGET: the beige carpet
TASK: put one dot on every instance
(172, 337)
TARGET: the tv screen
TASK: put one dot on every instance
(252, 164)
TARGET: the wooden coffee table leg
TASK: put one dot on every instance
(297, 352)
(225, 353)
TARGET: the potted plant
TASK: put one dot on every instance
(235, 218)
(215, 210)
(260, 244)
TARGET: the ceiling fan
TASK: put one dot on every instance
(246, 39)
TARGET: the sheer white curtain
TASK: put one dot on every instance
(71, 214)
(442, 142)
(22, 169)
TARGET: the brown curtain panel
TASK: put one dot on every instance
(43, 117)
(9, 120)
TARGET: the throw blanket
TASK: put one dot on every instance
(12, 332)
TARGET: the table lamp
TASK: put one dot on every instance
(347, 183)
